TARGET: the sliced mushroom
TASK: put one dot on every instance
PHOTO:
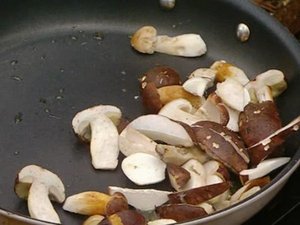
(131, 141)
(180, 110)
(124, 217)
(93, 220)
(37, 185)
(180, 212)
(161, 128)
(142, 199)
(161, 222)
(263, 168)
(213, 167)
(226, 70)
(146, 40)
(233, 94)
(199, 81)
(233, 122)
(143, 169)
(180, 155)
(221, 144)
(95, 203)
(178, 176)
(98, 125)
(198, 195)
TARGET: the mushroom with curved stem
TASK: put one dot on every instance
(161, 128)
(39, 186)
(146, 40)
(98, 125)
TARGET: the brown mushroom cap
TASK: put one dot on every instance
(125, 217)
(221, 144)
(178, 175)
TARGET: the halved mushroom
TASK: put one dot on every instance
(268, 145)
(221, 144)
(180, 155)
(143, 169)
(39, 186)
(124, 217)
(233, 94)
(226, 70)
(146, 40)
(95, 203)
(142, 199)
(132, 141)
(263, 168)
(161, 128)
(98, 125)
(199, 81)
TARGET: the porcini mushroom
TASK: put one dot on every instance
(143, 169)
(98, 125)
(146, 40)
(124, 217)
(39, 186)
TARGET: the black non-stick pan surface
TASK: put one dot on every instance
(60, 57)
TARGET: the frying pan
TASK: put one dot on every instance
(60, 57)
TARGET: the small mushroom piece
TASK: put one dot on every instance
(226, 70)
(263, 168)
(144, 169)
(161, 128)
(161, 222)
(233, 122)
(262, 149)
(180, 155)
(146, 40)
(39, 186)
(198, 195)
(93, 220)
(213, 167)
(178, 176)
(233, 94)
(274, 79)
(221, 144)
(131, 141)
(142, 199)
(95, 203)
(199, 81)
(98, 125)
(180, 212)
(124, 217)
(181, 110)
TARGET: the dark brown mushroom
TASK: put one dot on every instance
(180, 212)
(196, 196)
(178, 176)
(125, 217)
(221, 144)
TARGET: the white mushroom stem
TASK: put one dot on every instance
(132, 141)
(233, 94)
(39, 185)
(98, 125)
(199, 81)
(161, 128)
(264, 94)
(180, 110)
(146, 40)
(265, 167)
(144, 169)
(104, 143)
(233, 123)
(142, 199)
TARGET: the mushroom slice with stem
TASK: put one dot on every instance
(143, 169)
(222, 145)
(233, 94)
(226, 70)
(181, 110)
(95, 203)
(39, 186)
(98, 125)
(146, 40)
(199, 81)
(142, 199)
(161, 128)
(132, 141)
(180, 155)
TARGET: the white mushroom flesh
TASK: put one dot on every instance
(144, 169)
(197, 172)
(142, 199)
(161, 222)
